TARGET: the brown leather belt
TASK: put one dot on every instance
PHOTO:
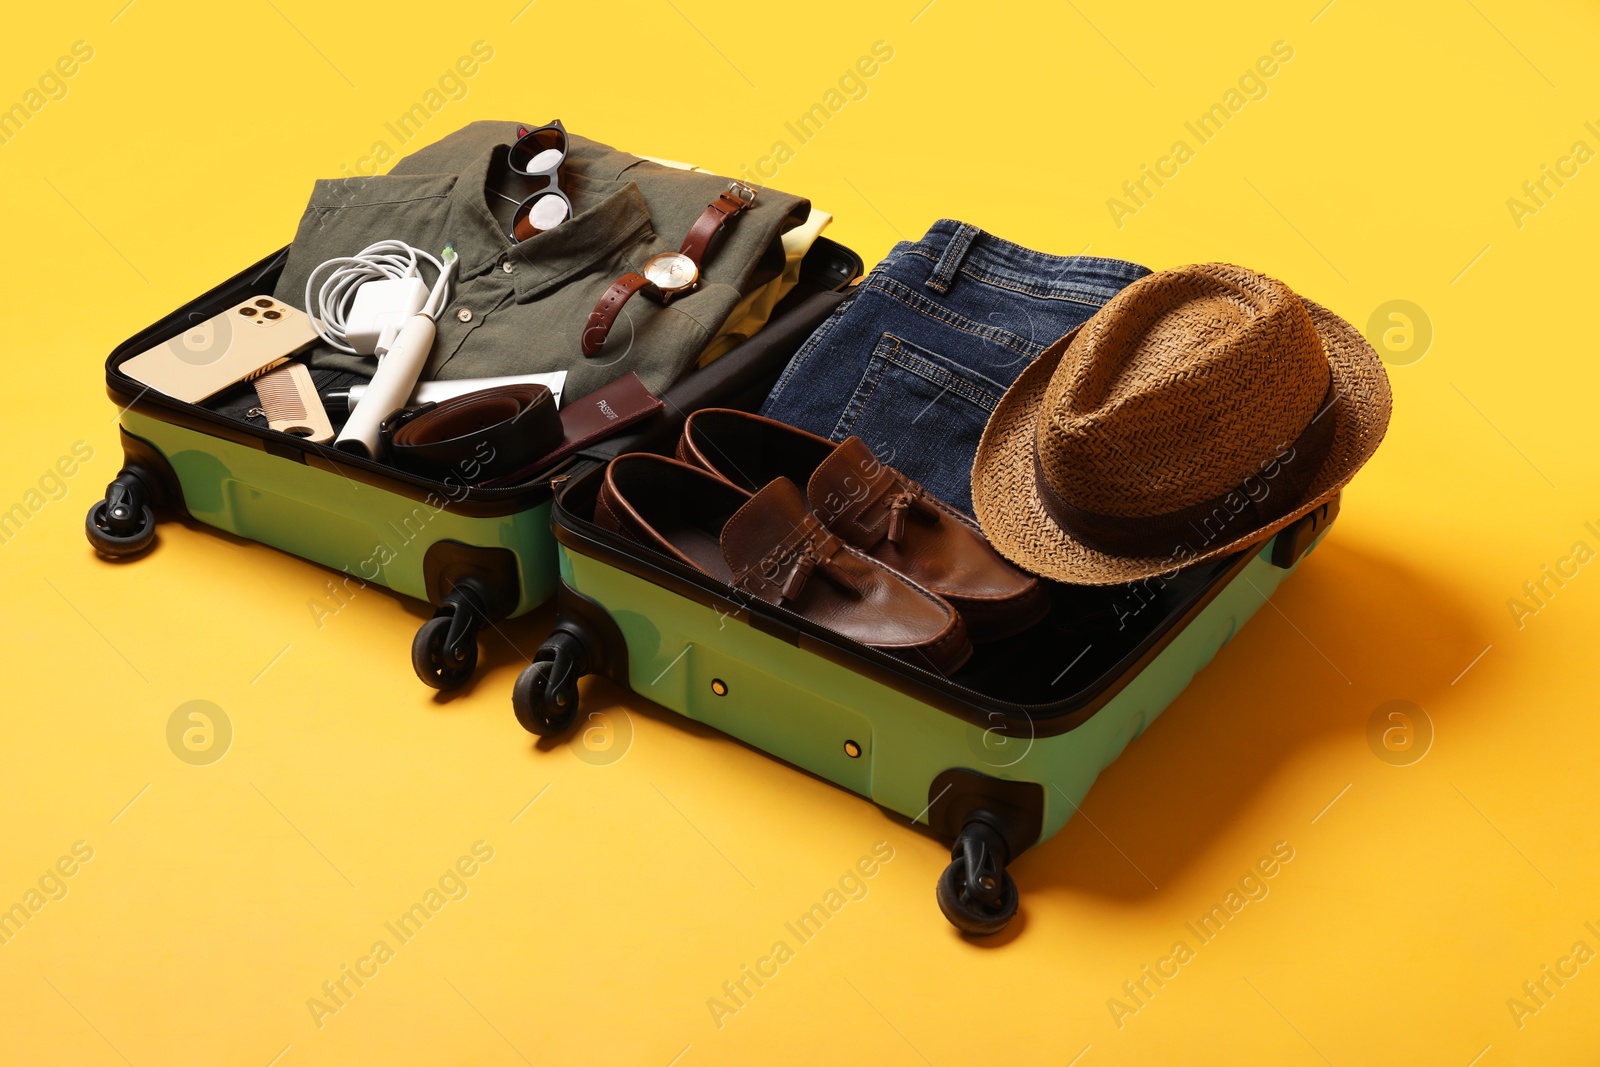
(476, 435)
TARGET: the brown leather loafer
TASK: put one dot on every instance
(770, 546)
(873, 508)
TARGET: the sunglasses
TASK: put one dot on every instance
(538, 155)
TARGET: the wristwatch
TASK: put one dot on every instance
(667, 276)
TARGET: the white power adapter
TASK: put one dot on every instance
(380, 309)
(365, 300)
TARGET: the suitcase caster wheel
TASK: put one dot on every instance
(544, 705)
(122, 524)
(438, 661)
(976, 893)
(104, 534)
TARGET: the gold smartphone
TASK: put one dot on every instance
(235, 346)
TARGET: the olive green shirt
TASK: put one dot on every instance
(520, 307)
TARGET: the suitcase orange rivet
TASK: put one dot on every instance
(852, 750)
(719, 687)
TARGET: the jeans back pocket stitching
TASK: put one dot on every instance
(938, 375)
(895, 355)
(858, 403)
(939, 313)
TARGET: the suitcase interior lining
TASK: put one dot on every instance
(1093, 635)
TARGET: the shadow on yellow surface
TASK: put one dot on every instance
(1351, 631)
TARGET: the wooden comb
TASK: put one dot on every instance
(291, 404)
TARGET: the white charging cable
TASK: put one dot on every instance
(397, 371)
(335, 297)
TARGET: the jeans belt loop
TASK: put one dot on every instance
(944, 272)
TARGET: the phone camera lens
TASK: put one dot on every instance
(263, 303)
(247, 311)
(272, 314)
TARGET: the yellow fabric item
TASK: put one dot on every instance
(752, 313)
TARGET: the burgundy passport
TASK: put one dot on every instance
(589, 419)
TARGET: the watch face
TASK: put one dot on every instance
(671, 270)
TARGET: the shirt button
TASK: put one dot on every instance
(505, 265)
(463, 314)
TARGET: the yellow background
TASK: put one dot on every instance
(219, 898)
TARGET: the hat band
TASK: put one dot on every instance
(1225, 517)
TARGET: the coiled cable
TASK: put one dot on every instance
(377, 261)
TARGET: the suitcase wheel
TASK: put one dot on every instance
(545, 697)
(440, 660)
(122, 524)
(445, 651)
(976, 892)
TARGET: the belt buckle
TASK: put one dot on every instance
(387, 428)
(745, 194)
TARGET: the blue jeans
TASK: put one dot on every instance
(914, 361)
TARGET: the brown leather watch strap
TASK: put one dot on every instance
(605, 311)
(718, 212)
(737, 197)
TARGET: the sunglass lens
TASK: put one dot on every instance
(539, 151)
(539, 213)
(547, 211)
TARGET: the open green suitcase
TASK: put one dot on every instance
(477, 555)
(993, 760)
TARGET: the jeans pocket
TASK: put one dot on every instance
(922, 414)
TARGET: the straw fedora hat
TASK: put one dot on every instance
(1196, 414)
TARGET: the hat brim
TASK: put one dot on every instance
(1006, 497)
